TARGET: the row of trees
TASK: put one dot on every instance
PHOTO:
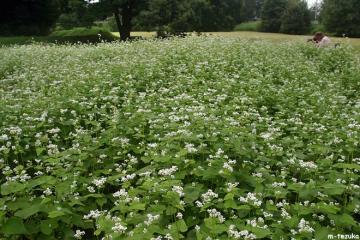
(339, 17)
(37, 17)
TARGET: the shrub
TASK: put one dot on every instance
(252, 26)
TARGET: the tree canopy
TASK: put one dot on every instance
(28, 17)
(296, 18)
(342, 17)
(271, 15)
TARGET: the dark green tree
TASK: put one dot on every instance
(124, 11)
(341, 17)
(259, 6)
(166, 17)
(271, 15)
(76, 13)
(248, 10)
(296, 18)
(28, 17)
(176, 16)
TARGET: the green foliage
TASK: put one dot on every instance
(317, 27)
(169, 17)
(341, 17)
(166, 17)
(187, 138)
(23, 17)
(77, 13)
(253, 26)
(76, 35)
(271, 15)
(296, 18)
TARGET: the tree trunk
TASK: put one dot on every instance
(117, 19)
(123, 20)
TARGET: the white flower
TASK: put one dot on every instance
(168, 171)
(4, 137)
(216, 214)
(179, 190)
(99, 182)
(208, 196)
(47, 192)
(119, 228)
(304, 227)
(151, 218)
(78, 234)
(91, 189)
(190, 148)
(121, 193)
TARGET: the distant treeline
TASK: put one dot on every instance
(38, 17)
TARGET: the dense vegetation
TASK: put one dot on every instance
(176, 17)
(24, 17)
(196, 138)
(342, 17)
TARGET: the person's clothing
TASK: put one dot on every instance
(325, 41)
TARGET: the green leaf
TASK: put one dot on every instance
(41, 180)
(181, 225)
(344, 220)
(47, 226)
(347, 165)
(12, 187)
(39, 151)
(101, 201)
(137, 206)
(214, 227)
(14, 226)
(328, 209)
(192, 192)
(27, 212)
(333, 189)
(229, 196)
(260, 232)
(57, 213)
(230, 204)
(322, 233)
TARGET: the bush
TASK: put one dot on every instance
(252, 26)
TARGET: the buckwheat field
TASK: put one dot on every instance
(196, 138)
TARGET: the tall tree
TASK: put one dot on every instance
(28, 17)
(259, 6)
(296, 18)
(249, 10)
(166, 17)
(124, 12)
(341, 17)
(76, 13)
(271, 15)
(315, 10)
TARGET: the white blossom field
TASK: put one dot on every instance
(186, 138)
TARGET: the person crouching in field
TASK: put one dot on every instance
(320, 40)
